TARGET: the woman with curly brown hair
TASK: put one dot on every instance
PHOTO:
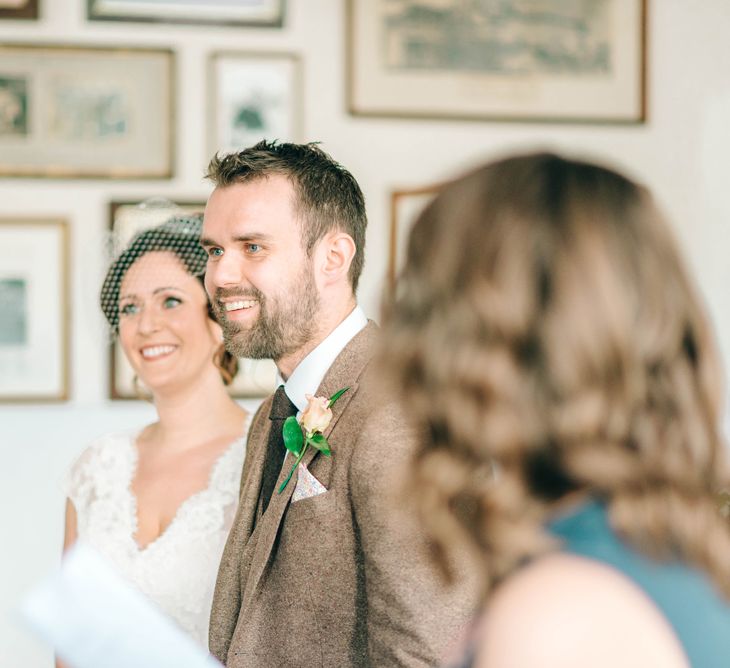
(554, 354)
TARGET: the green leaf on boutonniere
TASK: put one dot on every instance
(337, 395)
(320, 442)
(293, 437)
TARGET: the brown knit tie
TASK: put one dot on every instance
(281, 409)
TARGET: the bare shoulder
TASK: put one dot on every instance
(566, 610)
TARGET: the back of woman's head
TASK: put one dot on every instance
(545, 327)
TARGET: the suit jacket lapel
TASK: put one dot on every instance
(253, 473)
(344, 372)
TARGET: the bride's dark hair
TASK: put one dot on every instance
(547, 339)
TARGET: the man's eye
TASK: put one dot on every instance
(252, 248)
(128, 309)
(171, 302)
(215, 252)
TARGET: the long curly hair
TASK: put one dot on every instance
(546, 340)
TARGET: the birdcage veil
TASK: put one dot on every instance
(153, 225)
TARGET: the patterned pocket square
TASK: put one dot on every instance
(307, 485)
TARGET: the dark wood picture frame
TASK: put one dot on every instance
(28, 11)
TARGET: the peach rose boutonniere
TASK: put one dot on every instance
(309, 429)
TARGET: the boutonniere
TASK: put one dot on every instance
(308, 430)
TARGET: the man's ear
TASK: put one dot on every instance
(338, 250)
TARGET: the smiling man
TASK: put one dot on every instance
(321, 570)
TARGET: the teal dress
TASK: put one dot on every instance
(686, 597)
(689, 601)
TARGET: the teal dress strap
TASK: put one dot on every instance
(685, 596)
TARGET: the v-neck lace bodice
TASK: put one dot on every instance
(176, 570)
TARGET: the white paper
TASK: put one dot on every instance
(95, 619)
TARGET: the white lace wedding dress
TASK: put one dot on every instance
(177, 570)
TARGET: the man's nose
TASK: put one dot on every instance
(225, 272)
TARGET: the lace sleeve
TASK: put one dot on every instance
(98, 470)
(79, 483)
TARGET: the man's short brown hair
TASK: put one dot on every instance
(328, 196)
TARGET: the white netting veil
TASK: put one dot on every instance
(180, 234)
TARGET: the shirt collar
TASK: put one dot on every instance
(308, 375)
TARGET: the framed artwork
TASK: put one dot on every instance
(34, 310)
(255, 378)
(405, 207)
(252, 97)
(85, 112)
(513, 60)
(224, 12)
(18, 9)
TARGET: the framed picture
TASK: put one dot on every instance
(252, 97)
(225, 12)
(34, 310)
(405, 207)
(85, 112)
(255, 378)
(513, 60)
(18, 9)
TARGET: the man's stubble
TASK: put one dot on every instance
(286, 323)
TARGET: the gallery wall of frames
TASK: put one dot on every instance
(107, 110)
(111, 109)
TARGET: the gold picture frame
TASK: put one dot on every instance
(405, 206)
(581, 62)
(34, 310)
(253, 96)
(86, 112)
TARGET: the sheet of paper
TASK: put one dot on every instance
(94, 618)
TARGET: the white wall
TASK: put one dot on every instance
(682, 153)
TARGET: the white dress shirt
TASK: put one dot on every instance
(308, 375)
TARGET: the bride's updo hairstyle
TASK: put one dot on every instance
(546, 339)
(179, 235)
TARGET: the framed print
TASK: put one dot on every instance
(34, 316)
(258, 13)
(18, 9)
(255, 378)
(513, 60)
(85, 112)
(252, 97)
(405, 207)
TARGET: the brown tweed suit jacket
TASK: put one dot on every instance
(340, 579)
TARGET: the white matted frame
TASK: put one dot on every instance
(259, 13)
(253, 96)
(516, 60)
(72, 111)
(34, 310)
(405, 207)
(255, 378)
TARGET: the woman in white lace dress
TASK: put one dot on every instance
(159, 501)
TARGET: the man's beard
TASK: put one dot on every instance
(281, 328)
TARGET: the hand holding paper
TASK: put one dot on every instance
(95, 619)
